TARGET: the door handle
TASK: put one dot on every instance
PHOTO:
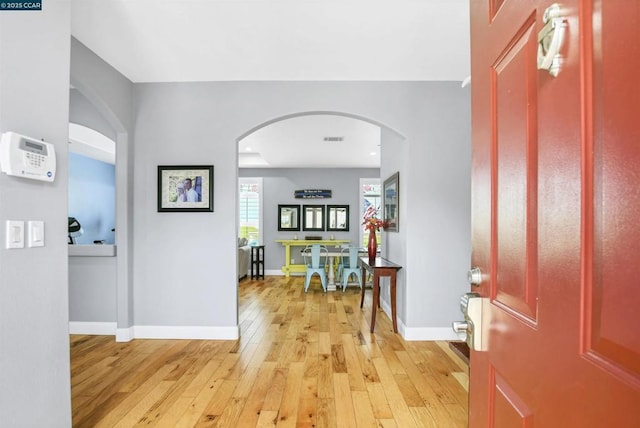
(550, 40)
(474, 276)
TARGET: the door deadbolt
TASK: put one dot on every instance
(471, 306)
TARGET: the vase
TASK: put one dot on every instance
(372, 248)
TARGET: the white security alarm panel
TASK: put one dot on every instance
(27, 157)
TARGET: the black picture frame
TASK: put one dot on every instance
(337, 218)
(185, 188)
(313, 217)
(391, 202)
(288, 218)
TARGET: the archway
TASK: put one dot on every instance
(384, 133)
(123, 238)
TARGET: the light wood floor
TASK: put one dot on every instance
(303, 360)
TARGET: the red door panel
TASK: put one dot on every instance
(612, 240)
(513, 92)
(556, 216)
(509, 409)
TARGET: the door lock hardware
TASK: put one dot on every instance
(471, 307)
(460, 326)
(474, 276)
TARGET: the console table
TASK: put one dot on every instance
(381, 267)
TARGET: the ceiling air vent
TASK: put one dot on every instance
(333, 138)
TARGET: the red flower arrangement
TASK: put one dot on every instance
(376, 224)
(371, 222)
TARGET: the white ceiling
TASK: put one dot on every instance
(232, 40)
(305, 137)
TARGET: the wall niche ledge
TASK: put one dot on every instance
(96, 250)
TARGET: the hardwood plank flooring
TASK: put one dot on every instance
(303, 360)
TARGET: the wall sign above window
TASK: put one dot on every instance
(312, 194)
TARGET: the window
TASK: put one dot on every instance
(370, 199)
(250, 211)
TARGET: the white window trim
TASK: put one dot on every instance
(363, 181)
(259, 182)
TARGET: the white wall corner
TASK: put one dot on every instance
(424, 333)
(124, 334)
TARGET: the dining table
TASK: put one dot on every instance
(290, 267)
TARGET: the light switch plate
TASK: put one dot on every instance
(36, 233)
(15, 234)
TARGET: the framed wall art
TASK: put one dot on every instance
(313, 217)
(391, 202)
(288, 217)
(185, 188)
(338, 218)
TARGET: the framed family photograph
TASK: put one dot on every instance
(391, 202)
(185, 188)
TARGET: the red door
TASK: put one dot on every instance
(556, 216)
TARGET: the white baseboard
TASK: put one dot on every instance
(177, 332)
(428, 333)
(422, 333)
(92, 328)
(274, 272)
(232, 333)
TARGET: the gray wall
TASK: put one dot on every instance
(278, 187)
(83, 112)
(34, 317)
(435, 180)
(200, 123)
(92, 291)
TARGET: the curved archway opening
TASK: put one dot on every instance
(315, 139)
(123, 210)
(331, 150)
(91, 143)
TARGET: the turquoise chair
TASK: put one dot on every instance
(339, 266)
(349, 266)
(340, 260)
(315, 257)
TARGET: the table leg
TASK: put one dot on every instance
(376, 299)
(364, 272)
(287, 261)
(393, 301)
(332, 277)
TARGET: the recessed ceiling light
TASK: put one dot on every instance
(373, 153)
(248, 149)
